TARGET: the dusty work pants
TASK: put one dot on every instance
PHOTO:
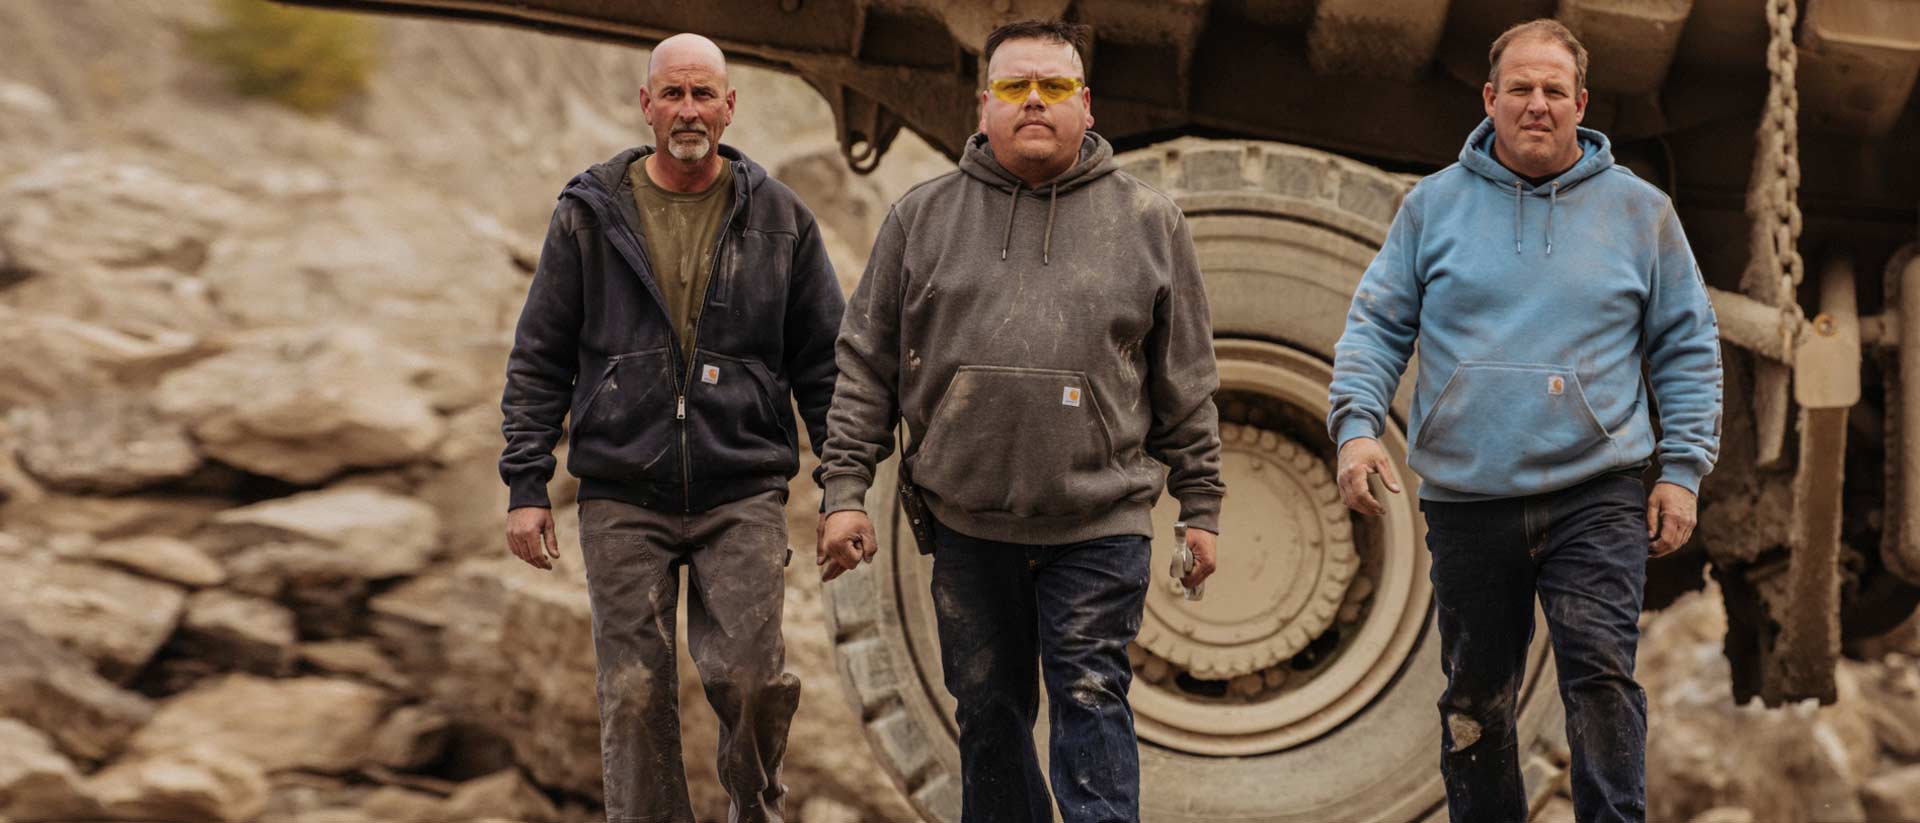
(1011, 615)
(1583, 550)
(735, 554)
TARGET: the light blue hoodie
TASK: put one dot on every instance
(1534, 309)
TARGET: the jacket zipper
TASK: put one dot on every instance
(693, 347)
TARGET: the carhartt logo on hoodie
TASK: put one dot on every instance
(1556, 385)
(1070, 396)
(711, 375)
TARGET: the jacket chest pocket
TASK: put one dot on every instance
(751, 269)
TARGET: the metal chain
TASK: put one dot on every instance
(1774, 200)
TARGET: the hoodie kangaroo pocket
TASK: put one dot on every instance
(1025, 441)
(1510, 428)
(624, 431)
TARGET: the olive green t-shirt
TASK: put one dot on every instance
(678, 230)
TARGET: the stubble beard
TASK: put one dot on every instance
(1037, 150)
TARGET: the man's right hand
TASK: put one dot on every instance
(1360, 459)
(531, 536)
(846, 541)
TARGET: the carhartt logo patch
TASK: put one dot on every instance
(1070, 396)
(1556, 385)
(711, 374)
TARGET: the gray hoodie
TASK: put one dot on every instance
(1049, 350)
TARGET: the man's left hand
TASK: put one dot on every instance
(1671, 516)
(1200, 542)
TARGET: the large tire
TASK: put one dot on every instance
(1302, 688)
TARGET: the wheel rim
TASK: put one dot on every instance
(1243, 671)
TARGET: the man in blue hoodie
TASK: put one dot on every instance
(1537, 279)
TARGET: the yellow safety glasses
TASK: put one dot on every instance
(1052, 89)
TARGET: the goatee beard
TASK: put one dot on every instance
(690, 151)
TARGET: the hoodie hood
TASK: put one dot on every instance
(1596, 156)
(1096, 161)
(605, 179)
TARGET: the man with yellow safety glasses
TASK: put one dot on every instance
(1038, 320)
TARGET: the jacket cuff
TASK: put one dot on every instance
(1685, 474)
(1201, 511)
(845, 492)
(529, 489)
(1353, 427)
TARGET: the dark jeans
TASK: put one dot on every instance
(1010, 612)
(735, 554)
(1584, 551)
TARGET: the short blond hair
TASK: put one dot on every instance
(1545, 28)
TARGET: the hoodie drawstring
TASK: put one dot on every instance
(1046, 245)
(1553, 197)
(1516, 217)
(1012, 209)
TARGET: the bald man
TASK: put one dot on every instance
(681, 297)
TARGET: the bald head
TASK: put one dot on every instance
(687, 100)
(686, 50)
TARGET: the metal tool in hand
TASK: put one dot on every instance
(1183, 562)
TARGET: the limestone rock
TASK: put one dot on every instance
(1800, 763)
(357, 658)
(91, 211)
(36, 782)
(111, 444)
(339, 260)
(109, 518)
(1894, 795)
(116, 619)
(198, 784)
(55, 690)
(1891, 692)
(52, 358)
(319, 552)
(529, 672)
(302, 406)
(368, 533)
(823, 809)
(15, 484)
(506, 794)
(1725, 814)
(309, 723)
(393, 804)
(325, 589)
(466, 488)
(162, 558)
(411, 737)
(238, 632)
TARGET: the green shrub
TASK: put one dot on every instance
(313, 61)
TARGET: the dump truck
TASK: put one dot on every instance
(1302, 687)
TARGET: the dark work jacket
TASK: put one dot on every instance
(658, 422)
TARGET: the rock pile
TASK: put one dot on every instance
(248, 425)
(1711, 761)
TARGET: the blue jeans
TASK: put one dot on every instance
(1584, 551)
(1008, 612)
